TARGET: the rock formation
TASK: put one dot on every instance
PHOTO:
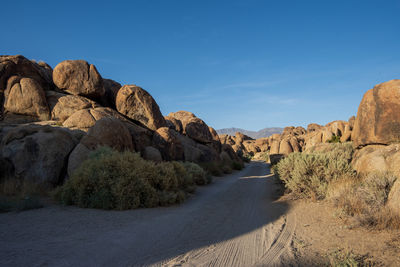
(87, 112)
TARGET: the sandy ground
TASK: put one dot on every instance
(233, 222)
(319, 234)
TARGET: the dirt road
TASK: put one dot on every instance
(233, 222)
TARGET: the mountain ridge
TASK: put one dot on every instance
(266, 132)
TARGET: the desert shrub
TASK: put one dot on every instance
(334, 139)
(196, 173)
(264, 156)
(307, 175)
(346, 258)
(236, 165)
(364, 200)
(247, 157)
(212, 168)
(123, 180)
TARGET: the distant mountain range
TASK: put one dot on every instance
(253, 134)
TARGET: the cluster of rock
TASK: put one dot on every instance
(292, 139)
(52, 119)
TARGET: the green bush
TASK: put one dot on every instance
(212, 168)
(115, 180)
(236, 165)
(334, 139)
(308, 175)
(196, 173)
(247, 157)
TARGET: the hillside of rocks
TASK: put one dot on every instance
(51, 119)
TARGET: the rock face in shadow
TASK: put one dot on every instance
(378, 116)
(193, 127)
(168, 143)
(137, 104)
(111, 88)
(62, 106)
(38, 153)
(86, 118)
(23, 67)
(77, 77)
(18, 66)
(25, 96)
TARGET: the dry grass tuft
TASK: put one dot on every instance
(364, 200)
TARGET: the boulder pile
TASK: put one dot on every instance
(50, 120)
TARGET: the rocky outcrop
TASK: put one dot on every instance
(37, 153)
(174, 124)
(86, 118)
(151, 153)
(378, 116)
(78, 77)
(62, 106)
(137, 104)
(22, 67)
(168, 143)
(111, 89)
(26, 96)
(374, 158)
(193, 127)
(393, 201)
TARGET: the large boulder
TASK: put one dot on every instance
(137, 104)
(374, 158)
(107, 131)
(174, 124)
(394, 197)
(193, 127)
(378, 116)
(37, 153)
(26, 96)
(77, 77)
(337, 127)
(111, 88)
(225, 148)
(263, 144)
(167, 142)
(312, 127)
(275, 141)
(285, 147)
(62, 106)
(84, 119)
(215, 143)
(23, 67)
(151, 153)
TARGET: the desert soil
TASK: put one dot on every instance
(233, 222)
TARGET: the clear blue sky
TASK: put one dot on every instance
(248, 64)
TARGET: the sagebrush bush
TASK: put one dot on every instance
(196, 173)
(307, 175)
(236, 165)
(364, 200)
(123, 180)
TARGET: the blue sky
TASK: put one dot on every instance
(248, 64)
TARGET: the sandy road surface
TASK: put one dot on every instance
(233, 222)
